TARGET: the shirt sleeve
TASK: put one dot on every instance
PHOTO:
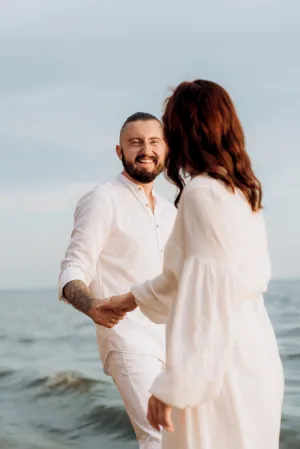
(204, 299)
(92, 222)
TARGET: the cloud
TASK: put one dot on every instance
(160, 42)
(53, 118)
(42, 198)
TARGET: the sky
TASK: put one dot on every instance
(72, 71)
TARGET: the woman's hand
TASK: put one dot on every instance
(159, 414)
(124, 303)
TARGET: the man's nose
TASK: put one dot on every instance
(147, 148)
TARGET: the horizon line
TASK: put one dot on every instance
(36, 289)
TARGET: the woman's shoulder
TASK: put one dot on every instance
(202, 184)
(208, 193)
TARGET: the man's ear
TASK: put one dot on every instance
(119, 152)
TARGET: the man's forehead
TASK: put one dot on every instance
(147, 128)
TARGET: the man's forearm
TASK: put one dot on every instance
(78, 294)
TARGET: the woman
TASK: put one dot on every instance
(223, 376)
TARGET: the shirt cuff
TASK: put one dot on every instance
(69, 273)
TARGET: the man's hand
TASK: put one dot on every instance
(102, 315)
(159, 414)
(78, 294)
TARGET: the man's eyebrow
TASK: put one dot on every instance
(140, 138)
(134, 138)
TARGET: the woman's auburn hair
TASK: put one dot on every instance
(204, 135)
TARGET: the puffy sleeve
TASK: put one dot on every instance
(199, 295)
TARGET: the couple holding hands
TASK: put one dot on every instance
(184, 322)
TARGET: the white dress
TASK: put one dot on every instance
(223, 373)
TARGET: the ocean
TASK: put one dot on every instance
(52, 390)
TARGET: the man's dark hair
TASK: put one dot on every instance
(137, 116)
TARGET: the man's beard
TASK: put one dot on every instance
(140, 174)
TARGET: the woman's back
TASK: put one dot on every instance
(222, 230)
(222, 219)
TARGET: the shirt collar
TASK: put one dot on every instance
(133, 186)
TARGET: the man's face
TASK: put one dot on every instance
(143, 150)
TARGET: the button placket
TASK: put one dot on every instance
(140, 194)
(158, 238)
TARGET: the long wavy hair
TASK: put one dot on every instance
(204, 135)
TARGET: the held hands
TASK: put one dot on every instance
(101, 314)
(122, 303)
(111, 311)
(159, 414)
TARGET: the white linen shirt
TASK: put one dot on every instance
(117, 242)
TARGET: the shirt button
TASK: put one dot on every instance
(147, 205)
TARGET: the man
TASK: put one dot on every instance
(119, 234)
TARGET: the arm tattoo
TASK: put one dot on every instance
(78, 294)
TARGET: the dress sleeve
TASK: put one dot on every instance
(200, 322)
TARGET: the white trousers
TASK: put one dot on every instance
(133, 375)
